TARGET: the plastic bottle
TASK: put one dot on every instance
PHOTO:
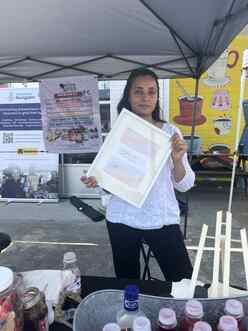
(141, 324)
(202, 326)
(71, 274)
(192, 314)
(111, 327)
(167, 319)
(227, 323)
(235, 309)
(130, 310)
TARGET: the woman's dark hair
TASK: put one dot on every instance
(124, 102)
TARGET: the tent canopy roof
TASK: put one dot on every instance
(41, 39)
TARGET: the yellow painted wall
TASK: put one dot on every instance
(209, 135)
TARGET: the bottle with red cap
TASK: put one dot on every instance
(167, 319)
(235, 309)
(227, 323)
(193, 313)
(202, 326)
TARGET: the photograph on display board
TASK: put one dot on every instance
(216, 106)
(70, 114)
(33, 176)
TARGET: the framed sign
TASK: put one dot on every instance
(131, 158)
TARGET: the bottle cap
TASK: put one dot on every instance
(141, 324)
(69, 257)
(6, 278)
(234, 307)
(228, 323)
(202, 326)
(111, 327)
(167, 316)
(193, 309)
(131, 297)
(131, 293)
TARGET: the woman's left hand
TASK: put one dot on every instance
(179, 147)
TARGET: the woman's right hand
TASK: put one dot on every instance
(89, 181)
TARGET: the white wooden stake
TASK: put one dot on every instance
(245, 253)
(198, 259)
(226, 274)
(216, 266)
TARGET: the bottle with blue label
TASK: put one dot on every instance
(126, 316)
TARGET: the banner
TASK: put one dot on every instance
(26, 170)
(28, 176)
(70, 114)
(20, 120)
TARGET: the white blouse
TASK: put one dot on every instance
(160, 207)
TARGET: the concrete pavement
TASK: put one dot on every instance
(43, 233)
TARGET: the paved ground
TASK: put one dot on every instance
(42, 233)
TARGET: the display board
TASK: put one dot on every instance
(27, 171)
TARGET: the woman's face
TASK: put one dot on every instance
(143, 96)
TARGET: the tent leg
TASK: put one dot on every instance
(62, 175)
(191, 150)
(186, 216)
(193, 119)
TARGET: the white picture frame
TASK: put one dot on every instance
(131, 158)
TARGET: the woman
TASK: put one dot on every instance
(157, 222)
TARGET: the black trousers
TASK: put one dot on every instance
(167, 245)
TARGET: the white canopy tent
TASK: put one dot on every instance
(41, 39)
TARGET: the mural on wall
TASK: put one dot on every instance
(221, 100)
(217, 75)
(217, 104)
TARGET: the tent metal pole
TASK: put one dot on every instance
(174, 35)
(191, 151)
(193, 118)
(62, 175)
(155, 68)
(172, 31)
(13, 62)
(230, 16)
(153, 65)
(235, 157)
(224, 22)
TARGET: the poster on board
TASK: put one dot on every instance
(70, 114)
(20, 120)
